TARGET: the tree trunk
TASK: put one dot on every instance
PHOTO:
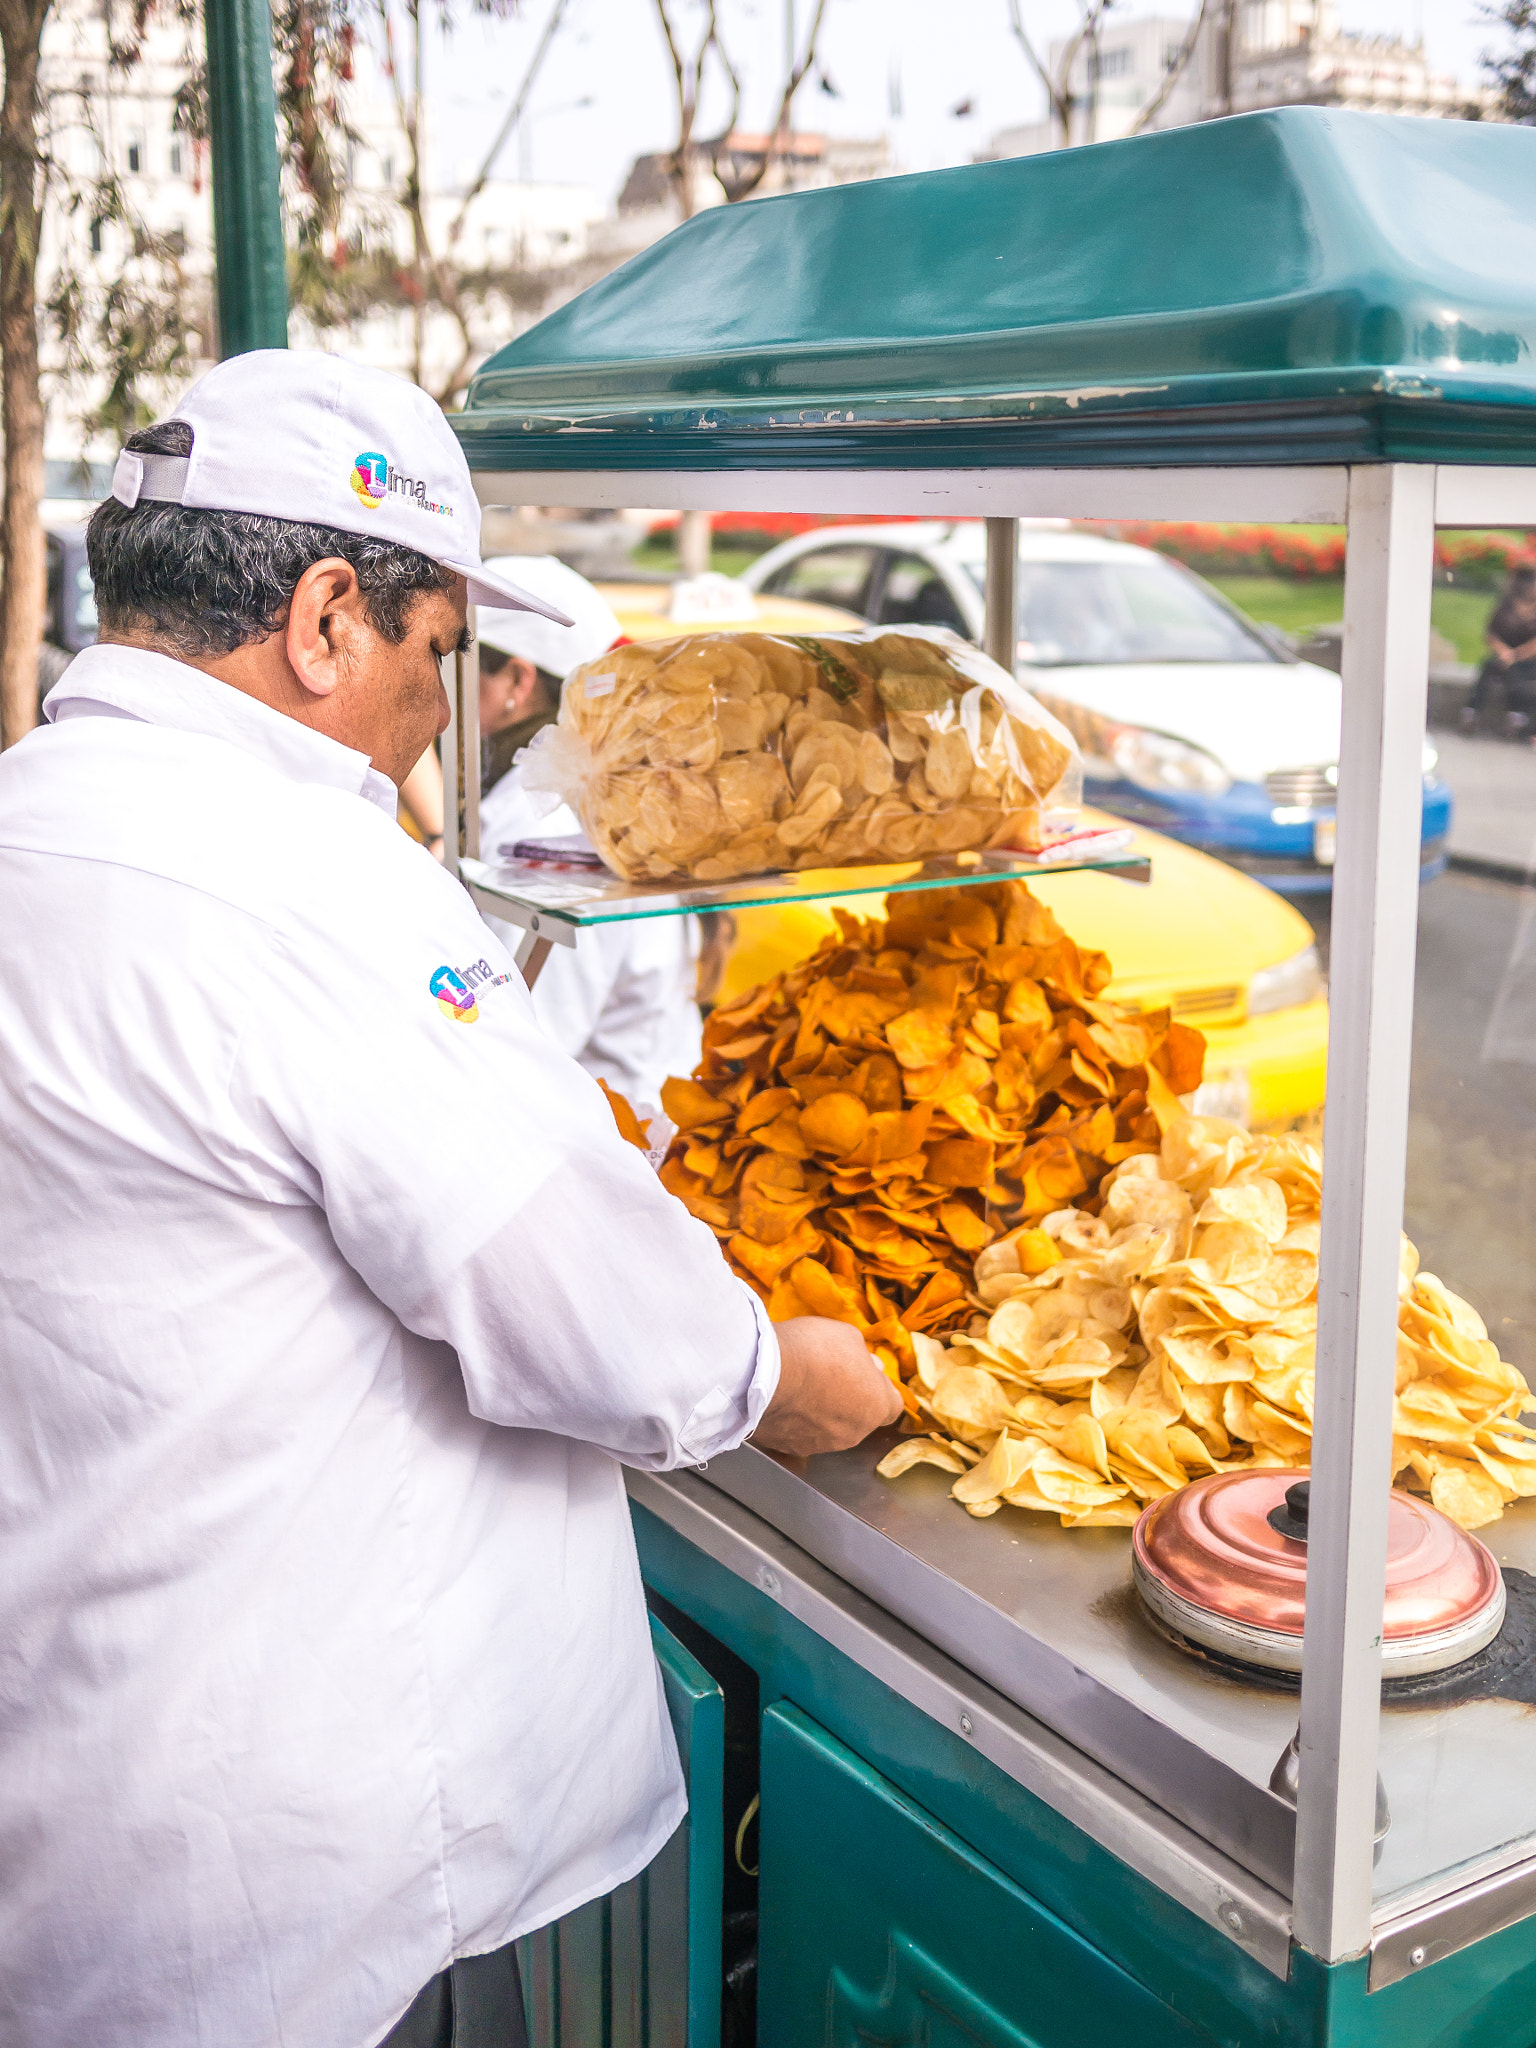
(23, 551)
(693, 543)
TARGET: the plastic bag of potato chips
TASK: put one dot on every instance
(725, 754)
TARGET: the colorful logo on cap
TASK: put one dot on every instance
(370, 479)
(455, 998)
(375, 478)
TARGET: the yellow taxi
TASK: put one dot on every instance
(1223, 952)
(645, 612)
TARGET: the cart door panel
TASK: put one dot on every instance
(880, 1926)
(641, 1967)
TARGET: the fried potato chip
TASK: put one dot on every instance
(834, 1123)
(1140, 1453)
(1259, 1202)
(765, 1262)
(629, 1125)
(930, 1356)
(970, 1404)
(919, 1450)
(1068, 1485)
(1005, 1465)
(1468, 1496)
(963, 1226)
(691, 1106)
(1230, 1254)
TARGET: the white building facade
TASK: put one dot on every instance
(1260, 53)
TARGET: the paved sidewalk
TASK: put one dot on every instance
(1494, 782)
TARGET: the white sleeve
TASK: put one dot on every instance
(472, 1176)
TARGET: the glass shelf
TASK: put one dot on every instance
(559, 901)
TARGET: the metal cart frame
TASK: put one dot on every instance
(1391, 511)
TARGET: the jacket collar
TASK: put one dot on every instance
(132, 682)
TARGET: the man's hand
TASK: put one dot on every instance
(831, 1393)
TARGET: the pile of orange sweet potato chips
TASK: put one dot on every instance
(863, 1125)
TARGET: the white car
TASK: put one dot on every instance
(1191, 718)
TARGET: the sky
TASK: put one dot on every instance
(922, 58)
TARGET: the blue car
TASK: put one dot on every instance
(1191, 719)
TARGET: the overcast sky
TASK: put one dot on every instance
(899, 67)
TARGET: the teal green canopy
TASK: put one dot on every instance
(1302, 285)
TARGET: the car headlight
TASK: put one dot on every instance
(1431, 759)
(1297, 980)
(1156, 761)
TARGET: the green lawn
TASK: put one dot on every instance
(1298, 607)
(661, 554)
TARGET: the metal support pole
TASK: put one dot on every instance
(1001, 629)
(247, 212)
(1388, 570)
(461, 759)
(530, 956)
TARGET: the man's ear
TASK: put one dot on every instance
(325, 616)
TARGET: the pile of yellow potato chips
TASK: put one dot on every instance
(862, 1126)
(725, 754)
(1172, 1334)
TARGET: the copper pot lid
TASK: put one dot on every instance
(1223, 1563)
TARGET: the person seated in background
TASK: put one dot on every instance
(624, 1000)
(1511, 663)
(421, 801)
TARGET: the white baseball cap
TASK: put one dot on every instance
(593, 626)
(295, 434)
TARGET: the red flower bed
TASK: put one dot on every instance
(1239, 550)
(1215, 550)
(1209, 548)
(1483, 557)
(777, 526)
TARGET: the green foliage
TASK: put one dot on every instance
(136, 332)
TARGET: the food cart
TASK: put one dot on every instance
(966, 1791)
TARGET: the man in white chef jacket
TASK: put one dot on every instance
(330, 1301)
(624, 1003)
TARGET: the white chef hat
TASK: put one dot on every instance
(557, 649)
(299, 435)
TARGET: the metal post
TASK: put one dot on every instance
(450, 745)
(247, 211)
(1002, 628)
(469, 687)
(1388, 570)
(461, 759)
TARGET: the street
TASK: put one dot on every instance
(1471, 1199)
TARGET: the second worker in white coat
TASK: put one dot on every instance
(624, 1001)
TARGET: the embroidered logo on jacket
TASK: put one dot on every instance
(455, 997)
(455, 988)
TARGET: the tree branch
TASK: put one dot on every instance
(1174, 72)
(1059, 108)
(689, 74)
(514, 115)
(742, 188)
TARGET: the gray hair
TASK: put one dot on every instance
(207, 582)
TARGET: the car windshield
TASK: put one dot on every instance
(1072, 614)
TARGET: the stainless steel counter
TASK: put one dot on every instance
(1047, 1618)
